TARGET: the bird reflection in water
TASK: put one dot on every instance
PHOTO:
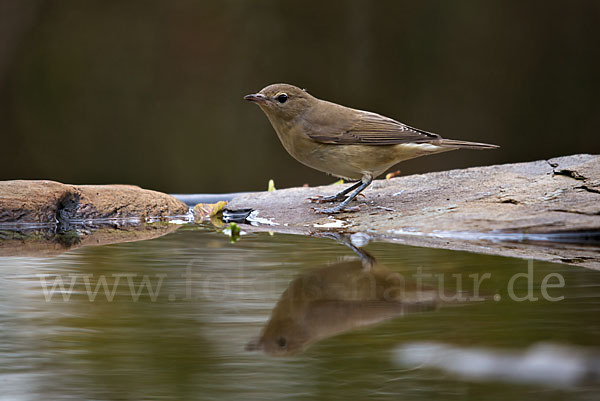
(338, 298)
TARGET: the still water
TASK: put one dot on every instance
(191, 315)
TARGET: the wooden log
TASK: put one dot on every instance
(546, 210)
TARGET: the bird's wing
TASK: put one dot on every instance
(368, 128)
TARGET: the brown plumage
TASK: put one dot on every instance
(348, 143)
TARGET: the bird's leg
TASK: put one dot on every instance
(340, 196)
(364, 182)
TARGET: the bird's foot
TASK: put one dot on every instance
(325, 199)
(337, 209)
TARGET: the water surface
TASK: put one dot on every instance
(185, 307)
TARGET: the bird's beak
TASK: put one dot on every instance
(256, 97)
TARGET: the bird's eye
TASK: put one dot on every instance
(282, 98)
(281, 342)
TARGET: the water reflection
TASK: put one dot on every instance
(48, 240)
(335, 299)
(186, 339)
(548, 364)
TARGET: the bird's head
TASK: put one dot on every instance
(282, 101)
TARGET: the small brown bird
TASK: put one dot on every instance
(351, 144)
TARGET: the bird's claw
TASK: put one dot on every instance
(325, 199)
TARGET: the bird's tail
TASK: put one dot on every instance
(451, 143)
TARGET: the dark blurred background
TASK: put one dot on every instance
(150, 92)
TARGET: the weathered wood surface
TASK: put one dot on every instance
(47, 218)
(518, 210)
(38, 201)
